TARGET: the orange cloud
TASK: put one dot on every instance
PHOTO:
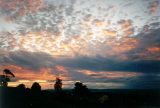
(151, 53)
(109, 33)
(43, 41)
(120, 47)
(62, 71)
(154, 49)
(99, 23)
(127, 28)
(42, 74)
(126, 44)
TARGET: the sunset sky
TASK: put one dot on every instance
(98, 41)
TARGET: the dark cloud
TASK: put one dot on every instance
(32, 60)
(105, 64)
(150, 81)
(37, 60)
(150, 39)
(146, 40)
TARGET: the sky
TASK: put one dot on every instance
(97, 41)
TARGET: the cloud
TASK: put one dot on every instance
(109, 75)
(147, 47)
(53, 31)
(139, 53)
(153, 7)
(150, 81)
(31, 65)
(41, 66)
(44, 73)
(30, 60)
(127, 28)
(149, 39)
(109, 33)
(12, 9)
(99, 63)
(38, 60)
(66, 38)
(100, 23)
(29, 74)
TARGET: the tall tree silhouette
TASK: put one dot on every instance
(5, 78)
(58, 84)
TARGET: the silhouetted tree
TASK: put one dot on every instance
(8, 72)
(21, 87)
(58, 85)
(5, 78)
(80, 89)
(36, 88)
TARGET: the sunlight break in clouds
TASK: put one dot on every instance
(110, 75)
(42, 74)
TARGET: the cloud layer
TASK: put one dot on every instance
(29, 65)
(97, 41)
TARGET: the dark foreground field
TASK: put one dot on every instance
(20, 98)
